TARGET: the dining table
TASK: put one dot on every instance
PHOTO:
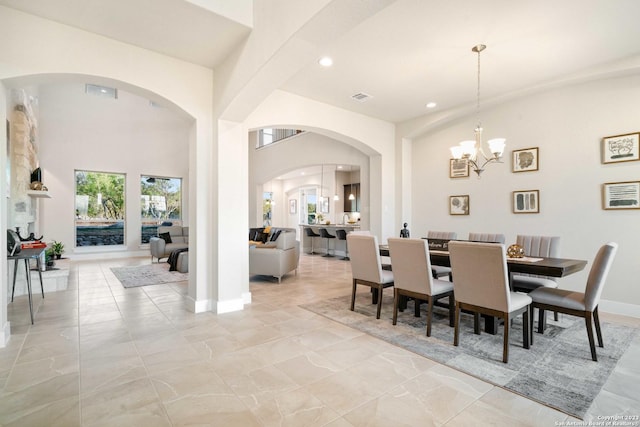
(551, 267)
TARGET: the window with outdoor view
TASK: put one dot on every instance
(100, 209)
(160, 204)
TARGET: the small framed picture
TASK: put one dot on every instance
(459, 205)
(621, 195)
(324, 205)
(621, 148)
(293, 206)
(525, 160)
(458, 168)
(527, 201)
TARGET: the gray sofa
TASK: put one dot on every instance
(275, 258)
(179, 240)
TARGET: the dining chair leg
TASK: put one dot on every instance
(592, 345)
(379, 302)
(531, 317)
(476, 323)
(456, 327)
(541, 320)
(596, 320)
(505, 350)
(525, 328)
(429, 313)
(396, 299)
(452, 309)
(416, 307)
(353, 295)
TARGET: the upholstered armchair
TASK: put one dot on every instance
(178, 239)
(275, 258)
(413, 278)
(481, 285)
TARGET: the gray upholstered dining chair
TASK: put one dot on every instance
(481, 285)
(581, 304)
(413, 279)
(536, 246)
(487, 237)
(440, 270)
(366, 268)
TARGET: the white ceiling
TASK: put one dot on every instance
(176, 28)
(412, 52)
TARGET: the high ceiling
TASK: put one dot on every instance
(410, 53)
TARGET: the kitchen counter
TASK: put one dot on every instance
(319, 244)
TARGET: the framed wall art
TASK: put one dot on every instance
(324, 205)
(293, 206)
(459, 205)
(621, 195)
(525, 160)
(621, 148)
(526, 201)
(458, 168)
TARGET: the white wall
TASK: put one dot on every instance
(79, 131)
(567, 125)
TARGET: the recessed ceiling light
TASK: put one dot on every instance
(431, 105)
(325, 61)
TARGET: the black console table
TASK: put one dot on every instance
(26, 255)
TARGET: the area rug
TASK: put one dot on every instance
(150, 274)
(556, 371)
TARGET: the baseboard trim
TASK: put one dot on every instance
(5, 334)
(621, 308)
(246, 297)
(229, 306)
(201, 306)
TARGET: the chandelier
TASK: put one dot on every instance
(471, 151)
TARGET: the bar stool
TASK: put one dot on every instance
(342, 235)
(311, 234)
(325, 235)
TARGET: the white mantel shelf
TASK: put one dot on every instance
(39, 194)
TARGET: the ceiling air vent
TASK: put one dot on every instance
(103, 91)
(361, 97)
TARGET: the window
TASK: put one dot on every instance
(100, 208)
(160, 204)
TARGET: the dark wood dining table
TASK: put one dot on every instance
(552, 267)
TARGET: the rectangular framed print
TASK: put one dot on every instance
(526, 201)
(458, 168)
(459, 205)
(621, 148)
(621, 195)
(525, 160)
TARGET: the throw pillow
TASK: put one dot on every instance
(267, 229)
(275, 235)
(166, 237)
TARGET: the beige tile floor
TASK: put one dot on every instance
(102, 355)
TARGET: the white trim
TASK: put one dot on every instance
(113, 253)
(198, 306)
(229, 306)
(5, 335)
(621, 308)
(246, 297)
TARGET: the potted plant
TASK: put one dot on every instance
(58, 249)
(48, 258)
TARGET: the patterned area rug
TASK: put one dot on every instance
(556, 371)
(144, 275)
